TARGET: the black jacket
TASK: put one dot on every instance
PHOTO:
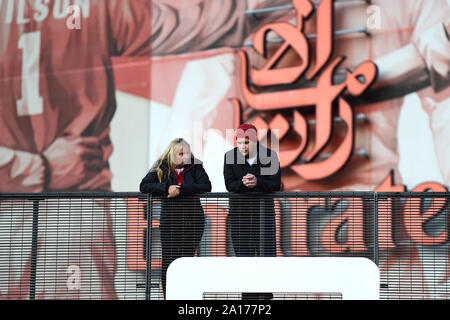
(252, 215)
(194, 180)
(236, 167)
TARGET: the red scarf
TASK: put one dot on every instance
(179, 176)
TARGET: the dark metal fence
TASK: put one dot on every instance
(110, 245)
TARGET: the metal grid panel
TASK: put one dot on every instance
(16, 224)
(107, 246)
(72, 246)
(413, 246)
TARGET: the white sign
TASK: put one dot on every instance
(354, 278)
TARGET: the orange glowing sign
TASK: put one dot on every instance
(324, 97)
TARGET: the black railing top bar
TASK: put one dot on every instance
(91, 195)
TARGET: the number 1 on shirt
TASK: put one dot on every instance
(31, 103)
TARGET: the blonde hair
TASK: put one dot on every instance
(169, 156)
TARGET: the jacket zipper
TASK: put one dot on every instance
(184, 171)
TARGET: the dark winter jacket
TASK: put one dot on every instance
(194, 180)
(236, 167)
(252, 216)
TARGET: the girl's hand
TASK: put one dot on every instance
(174, 191)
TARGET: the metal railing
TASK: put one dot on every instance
(110, 245)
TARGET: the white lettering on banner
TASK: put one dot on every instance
(42, 11)
(31, 103)
(21, 13)
(17, 11)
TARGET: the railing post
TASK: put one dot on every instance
(34, 249)
(148, 250)
(375, 231)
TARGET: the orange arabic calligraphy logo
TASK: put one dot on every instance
(324, 97)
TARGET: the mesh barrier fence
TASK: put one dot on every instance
(118, 245)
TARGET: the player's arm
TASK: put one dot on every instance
(74, 163)
(398, 73)
(431, 37)
(421, 63)
(146, 27)
(68, 163)
(21, 172)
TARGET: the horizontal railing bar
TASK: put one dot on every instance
(87, 195)
(313, 36)
(268, 10)
(290, 7)
(358, 117)
(299, 194)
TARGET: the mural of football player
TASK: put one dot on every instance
(410, 50)
(57, 101)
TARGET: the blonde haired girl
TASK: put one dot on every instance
(177, 176)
